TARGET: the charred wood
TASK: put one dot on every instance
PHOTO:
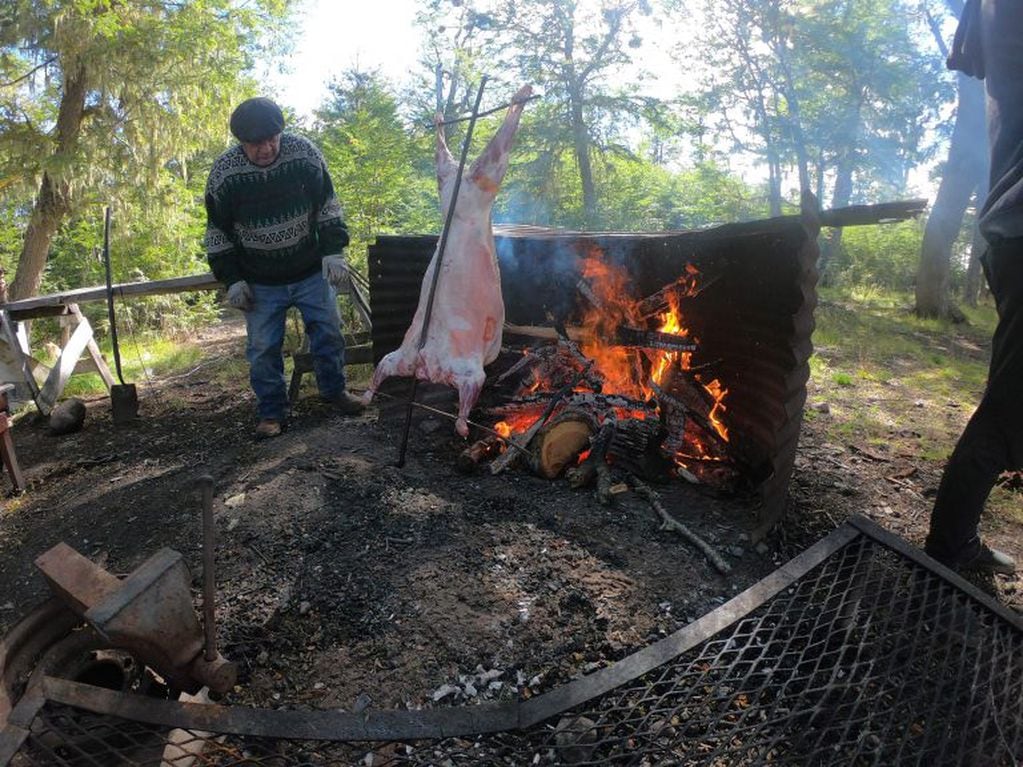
(653, 339)
(684, 287)
(483, 450)
(605, 484)
(587, 292)
(549, 333)
(586, 472)
(659, 302)
(636, 448)
(530, 357)
(599, 403)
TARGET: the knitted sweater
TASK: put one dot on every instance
(271, 225)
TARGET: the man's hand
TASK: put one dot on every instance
(335, 271)
(239, 295)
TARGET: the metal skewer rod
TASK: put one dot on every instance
(455, 120)
(209, 624)
(440, 258)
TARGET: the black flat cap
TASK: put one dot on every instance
(256, 120)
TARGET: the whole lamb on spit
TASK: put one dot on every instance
(468, 310)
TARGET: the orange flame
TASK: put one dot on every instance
(610, 305)
(718, 392)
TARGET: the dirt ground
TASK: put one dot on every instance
(344, 581)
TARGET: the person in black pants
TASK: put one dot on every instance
(989, 45)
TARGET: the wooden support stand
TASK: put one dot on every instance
(7, 454)
(69, 362)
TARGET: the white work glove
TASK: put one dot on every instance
(239, 295)
(335, 272)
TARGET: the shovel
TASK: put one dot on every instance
(124, 400)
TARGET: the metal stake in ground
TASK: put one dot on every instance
(124, 400)
(209, 581)
(440, 258)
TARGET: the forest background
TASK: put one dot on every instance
(126, 104)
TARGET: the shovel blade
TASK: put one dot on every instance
(124, 401)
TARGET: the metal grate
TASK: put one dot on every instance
(858, 652)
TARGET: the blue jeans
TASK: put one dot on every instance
(316, 300)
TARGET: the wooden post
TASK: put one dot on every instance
(7, 454)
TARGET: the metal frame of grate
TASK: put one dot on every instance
(860, 651)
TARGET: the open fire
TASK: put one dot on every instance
(625, 376)
(679, 353)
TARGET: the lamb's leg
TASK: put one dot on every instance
(469, 387)
(489, 169)
(397, 363)
(446, 165)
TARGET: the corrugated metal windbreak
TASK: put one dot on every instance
(754, 319)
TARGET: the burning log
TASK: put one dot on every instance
(685, 286)
(480, 451)
(584, 288)
(668, 522)
(584, 474)
(560, 442)
(506, 459)
(531, 357)
(681, 392)
(653, 339)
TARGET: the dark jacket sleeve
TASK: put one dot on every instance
(966, 54)
(221, 251)
(332, 233)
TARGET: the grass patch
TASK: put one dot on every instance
(842, 379)
(148, 358)
(916, 380)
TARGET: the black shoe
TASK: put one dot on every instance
(988, 560)
(347, 404)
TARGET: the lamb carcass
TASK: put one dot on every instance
(467, 318)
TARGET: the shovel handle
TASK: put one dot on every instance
(110, 294)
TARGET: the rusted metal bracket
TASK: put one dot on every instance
(149, 613)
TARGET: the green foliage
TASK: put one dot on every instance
(110, 102)
(375, 162)
(885, 256)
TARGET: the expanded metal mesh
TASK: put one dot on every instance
(867, 659)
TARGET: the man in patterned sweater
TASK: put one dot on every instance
(274, 236)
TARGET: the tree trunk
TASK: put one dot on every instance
(841, 197)
(53, 203)
(582, 156)
(773, 183)
(963, 171)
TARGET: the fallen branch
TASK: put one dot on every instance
(668, 522)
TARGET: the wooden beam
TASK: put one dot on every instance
(57, 303)
(64, 366)
(98, 361)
